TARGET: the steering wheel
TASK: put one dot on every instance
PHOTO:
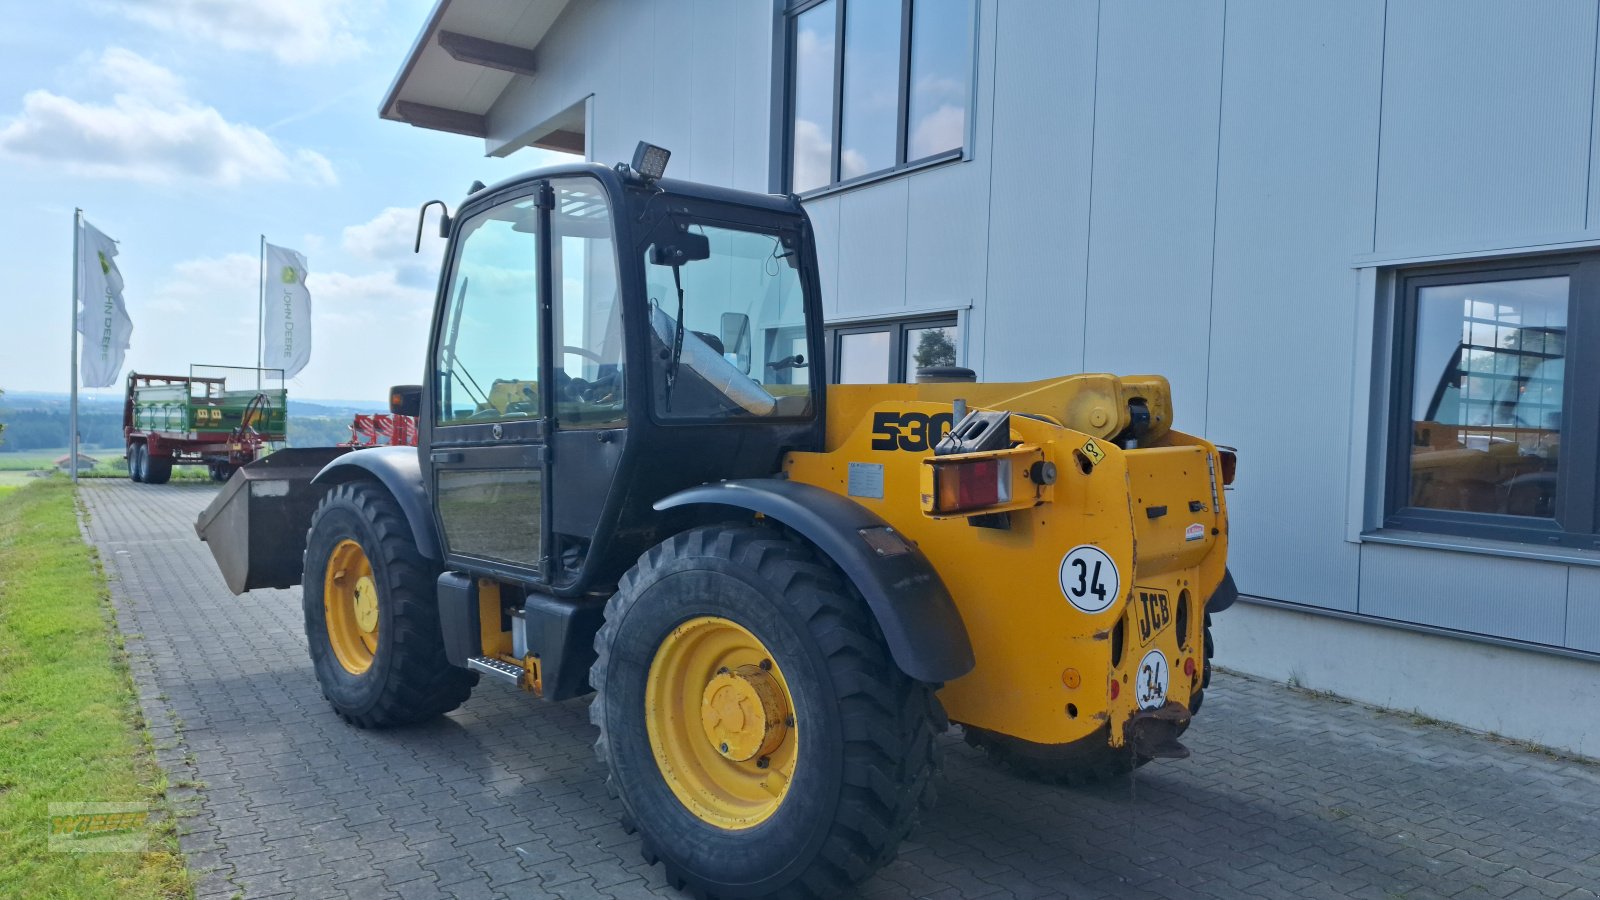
(586, 354)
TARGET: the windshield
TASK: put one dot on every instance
(727, 323)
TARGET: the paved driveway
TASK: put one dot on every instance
(1288, 795)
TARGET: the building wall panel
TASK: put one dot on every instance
(1583, 609)
(1515, 598)
(1041, 127)
(1153, 196)
(1486, 122)
(1295, 174)
(872, 248)
(947, 236)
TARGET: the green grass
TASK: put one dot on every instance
(70, 730)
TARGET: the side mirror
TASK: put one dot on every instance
(736, 339)
(682, 247)
(422, 216)
(405, 399)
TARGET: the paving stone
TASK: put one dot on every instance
(1287, 794)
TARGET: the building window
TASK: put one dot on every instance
(891, 352)
(876, 85)
(1497, 401)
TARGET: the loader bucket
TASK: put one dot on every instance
(256, 526)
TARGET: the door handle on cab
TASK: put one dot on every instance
(445, 456)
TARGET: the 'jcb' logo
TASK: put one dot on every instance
(911, 431)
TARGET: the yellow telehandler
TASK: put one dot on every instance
(632, 478)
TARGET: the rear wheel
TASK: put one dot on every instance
(372, 624)
(136, 462)
(157, 470)
(755, 727)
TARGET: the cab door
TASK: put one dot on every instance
(485, 440)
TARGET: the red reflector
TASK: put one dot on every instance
(1230, 463)
(973, 485)
(1115, 689)
(1188, 667)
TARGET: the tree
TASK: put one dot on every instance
(2, 424)
(934, 348)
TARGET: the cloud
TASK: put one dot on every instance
(388, 239)
(151, 130)
(296, 32)
(353, 318)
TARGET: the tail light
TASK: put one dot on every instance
(1230, 463)
(971, 484)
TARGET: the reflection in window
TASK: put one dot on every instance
(871, 88)
(931, 346)
(940, 72)
(815, 41)
(898, 80)
(488, 358)
(864, 358)
(1487, 389)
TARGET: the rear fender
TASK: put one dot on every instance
(914, 610)
(398, 469)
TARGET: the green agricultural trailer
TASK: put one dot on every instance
(216, 416)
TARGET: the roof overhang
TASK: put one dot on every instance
(467, 55)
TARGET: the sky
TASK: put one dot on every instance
(185, 129)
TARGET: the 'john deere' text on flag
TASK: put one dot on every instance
(287, 323)
(102, 318)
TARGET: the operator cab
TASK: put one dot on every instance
(604, 338)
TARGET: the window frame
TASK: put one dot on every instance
(1574, 523)
(901, 165)
(899, 332)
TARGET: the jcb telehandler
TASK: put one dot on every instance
(631, 478)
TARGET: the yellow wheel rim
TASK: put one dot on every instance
(721, 724)
(350, 601)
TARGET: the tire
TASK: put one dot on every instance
(406, 677)
(1085, 761)
(157, 471)
(136, 463)
(220, 472)
(864, 752)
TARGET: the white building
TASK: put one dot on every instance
(1360, 237)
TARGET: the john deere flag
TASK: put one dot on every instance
(102, 319)
(288, 314)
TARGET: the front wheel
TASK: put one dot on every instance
(755, 727)
(372, 623)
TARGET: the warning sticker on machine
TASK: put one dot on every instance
(1151, 687)
(866, 480)
(1194, 532)
(1093, 451)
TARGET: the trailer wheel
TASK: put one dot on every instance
(157, 470)
(759, 735)
(136, 463)
(372, 623)
(220, 471)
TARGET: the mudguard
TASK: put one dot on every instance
(914, 610)
(1225, 594)
(400, 470)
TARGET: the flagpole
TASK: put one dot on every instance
(261, 309)
(72, 438)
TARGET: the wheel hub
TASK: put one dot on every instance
(743, 712)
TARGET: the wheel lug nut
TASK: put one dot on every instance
(788, 720)
(723, 670)
(766, 665)
(762, 763)
(723, 748)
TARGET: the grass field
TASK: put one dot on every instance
(69, 727)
